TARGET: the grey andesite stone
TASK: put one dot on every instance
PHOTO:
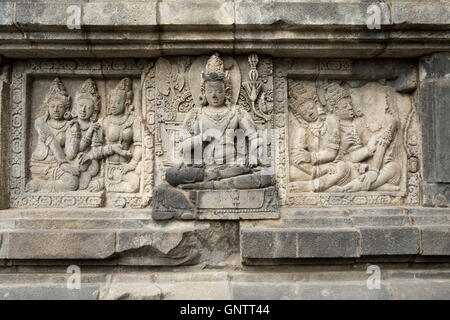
(435, 240)
(419, 290)
(61, 244)
(342, 291)
(389, 240)
(48, 292)
(263, 291)
(299, 243)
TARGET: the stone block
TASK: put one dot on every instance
(156, 247)
(299, 243)
(131, 291)
(263, 291)
(194, 14)
(4, 142)
(200, 290)
(292, 15)
(342, 291)
(422, 14)
(61, 244)
(435, 240)
(48, 292)
(435, 66)
(129, 15)
(389, 240)
(436, 194)
(421, 290)
(434, 118)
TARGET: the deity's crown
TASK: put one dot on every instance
(214, 69)
(57, 91)
(88, 90)
(302, 92)
(335, 92)
(124, 85)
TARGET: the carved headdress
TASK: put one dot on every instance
(57, 91)
(89, 91)
(300, 93)
(330, 93)
(214, 69)
(124, 87)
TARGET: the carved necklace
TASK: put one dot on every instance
(58, 125)
(318, 128)
(216, 116)
(120, 121)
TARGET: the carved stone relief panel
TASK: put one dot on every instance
(205, 105)
(344, 141)
(81, 133)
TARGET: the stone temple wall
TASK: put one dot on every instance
(224, 149)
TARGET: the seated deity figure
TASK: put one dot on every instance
(372, 163)
(57, 142)
(123, 142)
(212, 130)
(314, 165)
(86, 110)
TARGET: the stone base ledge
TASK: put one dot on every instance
(306, 234)
(112, 236)
(296, 284)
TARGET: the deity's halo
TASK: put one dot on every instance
(195, 77)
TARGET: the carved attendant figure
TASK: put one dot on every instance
(123, 149)
(57, 143)
(371, 166)
(86, 110)
(315, 144)
(213, 129)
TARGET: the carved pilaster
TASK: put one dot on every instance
(4, 103)
(433, 107)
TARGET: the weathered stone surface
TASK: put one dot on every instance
(435, 240)
(344, 291)
(4, 138)
(127, 291)
(389, 240)
(299, 243)
(421, 290)
(48, 292)
(433, 105)
(60, 244)
(358, 149)
(339, 29)
(263, 291)
(434, 93)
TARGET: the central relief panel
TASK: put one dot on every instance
(213, 138)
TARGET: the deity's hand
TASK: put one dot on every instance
(209, 135)
(372, 144)
(302, 156)
(70, 169)
(251, 163)
(84, 158)
(74, 127)
(117, 148)
(95, 127)
(126, 168)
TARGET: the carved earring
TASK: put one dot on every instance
(93, 117)
(67, 115)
